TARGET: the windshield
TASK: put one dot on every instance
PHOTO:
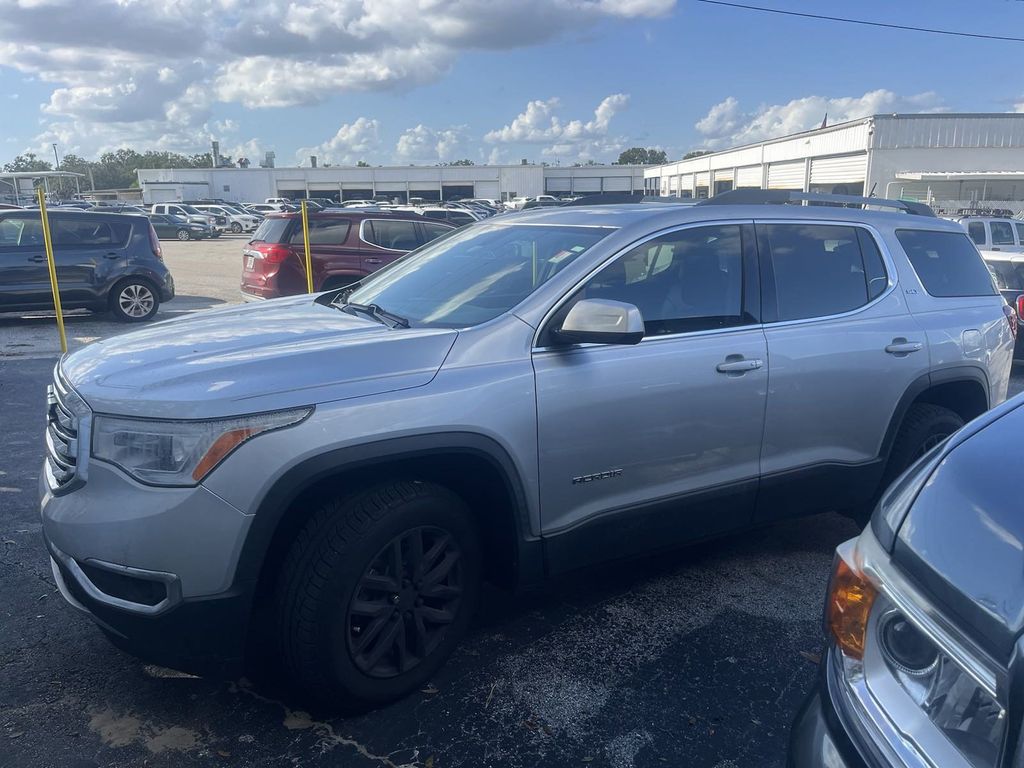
(476, 274)
(192, 211)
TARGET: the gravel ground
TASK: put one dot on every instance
(695, 658)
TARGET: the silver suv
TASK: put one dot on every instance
(525, 396)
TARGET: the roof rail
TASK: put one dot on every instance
(783, 196)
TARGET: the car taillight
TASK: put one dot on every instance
(154, 243)
(1012, 316)
(274, 254)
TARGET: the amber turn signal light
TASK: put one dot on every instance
(850, 597)
(224, 445)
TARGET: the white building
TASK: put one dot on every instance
(950, 161)
(501, 182)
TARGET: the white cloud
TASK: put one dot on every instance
(353, 142)
(573, 140)
(728, 124)
(123, 63)
(422, 145)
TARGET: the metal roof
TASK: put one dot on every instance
(960, 175)
(40, 174)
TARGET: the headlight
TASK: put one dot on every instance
(961, 709)
(179, 452)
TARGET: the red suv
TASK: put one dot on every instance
(344, 248)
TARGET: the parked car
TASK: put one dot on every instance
(105, 262)
(1008, 272)
(336, 474)
(217, 224)
(455, 216)
(277, 201)
(265, 208)
(237, 222)
(345, 246)
(924, 617)
(538, 203)
(168, 226)
(994, 234)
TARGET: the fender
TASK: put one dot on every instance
(957, 373)
(299, 478)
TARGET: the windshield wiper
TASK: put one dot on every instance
(390, 319)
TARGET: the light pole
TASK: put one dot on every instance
(56, 160)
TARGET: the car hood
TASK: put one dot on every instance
(258, 357)
(963, 538)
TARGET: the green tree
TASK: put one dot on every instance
(641, 156)
(465, 161)
(696, 153)
(362, 164)
(27, 162)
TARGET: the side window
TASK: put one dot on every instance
(688, 280)
(432, 230)
(1020, 232)
(820, 269)
(976, 229)
(323, 232)
(441, 215)
(874, 266)
(16, 232)
(395, 235)
(85, 233)
(947, 263)
(1002, 233)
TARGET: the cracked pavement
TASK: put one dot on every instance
(694, 658)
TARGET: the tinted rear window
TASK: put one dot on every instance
(271, 231)
(86, 232)
(324, 232)
(947, 263)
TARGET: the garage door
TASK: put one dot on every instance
(618, 183)
(839, 170)
(488, 190)
(686, 182)
(749, 177)
(723, 174)
(558, 184)
(390, 186)
(586, 184)
(703, 179)
(786, 175)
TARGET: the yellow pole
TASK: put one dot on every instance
(305, 243)
(48, 242)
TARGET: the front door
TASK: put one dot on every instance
(658, 443)
(24, 277)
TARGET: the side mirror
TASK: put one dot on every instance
(600, 321)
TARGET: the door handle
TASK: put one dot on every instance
(901, 347)
(37, 259)
(111, 255)
(737, 365)
(372, 261)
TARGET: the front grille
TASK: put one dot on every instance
(61, 437)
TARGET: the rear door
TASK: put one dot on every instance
(1003, 236)
(843, 349)
(329, 250)
(89, 251)
(24, 277)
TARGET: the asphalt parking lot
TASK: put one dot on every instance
(694, 658)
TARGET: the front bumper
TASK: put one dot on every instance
(202, 636)
(155, 568)
(819, 740)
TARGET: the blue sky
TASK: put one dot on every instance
(427, 81)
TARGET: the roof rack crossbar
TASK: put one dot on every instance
(783, 196)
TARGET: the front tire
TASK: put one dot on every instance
(376, 592)
(134, 301)
(184, 234)
(236, 227)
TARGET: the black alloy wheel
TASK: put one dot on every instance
(404, 602)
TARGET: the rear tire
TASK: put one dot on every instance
(376, 592)
(924, 426)
(134, 300)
